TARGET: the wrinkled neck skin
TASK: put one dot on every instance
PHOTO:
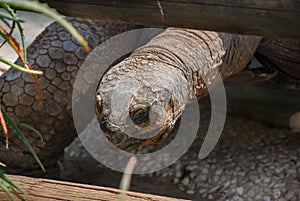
(140, 81)
(171, 70)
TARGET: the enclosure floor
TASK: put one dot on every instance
(257, 157)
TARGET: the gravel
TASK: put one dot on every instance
(252, 161)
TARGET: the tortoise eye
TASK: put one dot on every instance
(139, 114)
(98, 102)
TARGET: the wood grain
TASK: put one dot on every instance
(269, 18)
(46, 190)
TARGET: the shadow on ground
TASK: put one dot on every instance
(257, 157)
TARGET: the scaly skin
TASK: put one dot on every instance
(55, 52)
(58, 55)
(164, 77)
(285, 55)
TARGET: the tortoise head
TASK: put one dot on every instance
(134, 113)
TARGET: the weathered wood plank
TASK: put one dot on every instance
(46, 190)
(277, 18)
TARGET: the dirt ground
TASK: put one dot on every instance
(249, 108)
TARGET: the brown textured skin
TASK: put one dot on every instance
(59, 56)
(285, 55)
(183, 56)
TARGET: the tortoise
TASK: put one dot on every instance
(56, 53)
(189, 73)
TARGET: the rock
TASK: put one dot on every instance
(289, 195)
(267, 180)
(214, 189)
(226, 184)
(176, 180)
(178, 173)
(205, 170)
(276, 193)
(190, 192)
(240, 190)
(295, 121)
(185, 181)
(215, 178)
(251, 193)
(219, 172)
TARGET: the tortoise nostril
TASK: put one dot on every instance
(139, 114)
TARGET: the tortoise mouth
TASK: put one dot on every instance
(129, 143)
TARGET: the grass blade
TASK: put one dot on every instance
(20, 27)
(6, 190)
(5, 16)
(10, 188)
(37, 85)
(3, 124)
(5, 19)
(20, 68)
(126, 178)
(12, 42)
(31, 128)
(11, 183)
(37, 7)
(21, 52)
(20, 135)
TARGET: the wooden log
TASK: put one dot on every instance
(268, 18)
(46, 190)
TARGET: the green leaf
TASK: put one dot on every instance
(2, 164)
(11, 183)
(37, 7)
(21, 51)
(6, 190)
(10, 188)
(31, 128)
(5, 16)
(20, 68)
(20, 27)
(20, 135)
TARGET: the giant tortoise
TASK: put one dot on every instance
(173, 63)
